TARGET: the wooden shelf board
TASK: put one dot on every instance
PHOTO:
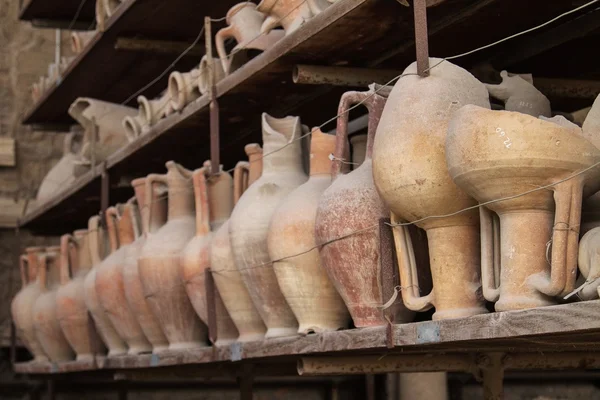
(569, 327)
(63, 11)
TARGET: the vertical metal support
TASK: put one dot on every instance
(13, 331)
(246, 381)
(209, 285)
(421, 39)
(50, 390)
(104, 192)
(122, 392)
(491, 366)
(214, 105)
(370, 387)
(92, 132)
(57, 46)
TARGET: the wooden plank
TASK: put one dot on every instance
(60, 10)
(7, 152)
(158, 46)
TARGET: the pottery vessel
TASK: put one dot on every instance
(133, 127)
(590, 217)
(249, 223)
(588, 284)
(80, 39)
(289, 14)
(294, 251)
(134, 292)
(22, 305)
(520, 95)
(105, 118)
(204, 70)
(499, 154)
(110, 286)
(45, 321)
(244, 25)
(183, 88)
(71, 311)
(351, 204)
(411, 176)
(213, 195)
(151, 111)
(97, 244)
(159, 259)
(358, 144)
(60, 175)
(227, 277)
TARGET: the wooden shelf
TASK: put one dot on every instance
(59, 14)
(554, 329)
(344, 34)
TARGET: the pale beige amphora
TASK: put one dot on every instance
(213, 196)
(23, 302)
(533, 174)
(72, 313)
(134, 293)
(289, 14)
(244, 25)
(249, 223)
(294, 251)
(45, 321)
(347, 223)
(98, 247)
(110, 286)
(61, 175)
(159, 261)
(227, 277)
(590, 217)
(410, 173)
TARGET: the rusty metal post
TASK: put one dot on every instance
(370, 386)
(50, 389)
(13, 331)
(421, 38)
(104, 193)
(246, 382)
(492, 374)
(209, 287)
(214, 105)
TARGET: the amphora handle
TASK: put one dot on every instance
(241, 175)
(490, 254)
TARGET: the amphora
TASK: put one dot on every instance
(98, 246)
(289, 14)
(518, 94)
(227, 277)
(183, 88)
(159, 260)
(249, 223)
(213, 195)
(244, 25)
(498, 157)
(410, 173)
(45, 321)
(347, 224)
(110, 286)
(204, 73)
(294, 251)
(71, 311)
(590, 217)
(134, 293)
(80, 39)
(62, 174)
(23, 302)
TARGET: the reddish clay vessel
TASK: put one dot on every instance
(159, 262)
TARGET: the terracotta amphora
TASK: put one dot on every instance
(249, 223)
(347, 224)
(61, 175)
(98, 246)
(503, 155)
(80, 39)
(289, 14)
(22, 304)
(110, 286)
(45, 321)
(244, 25)
(159, 259)
(109, 133)
(204, 73)
(520, 95)
(134, 293)
(214, 202)
(72, 313)
(410, 173)
(294, 251)
(183, 88)
(227, 277)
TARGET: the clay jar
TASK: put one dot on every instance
(22, 304)
(499, 154)
(134, 292)
(45, 321)
(159, 261)
(289, 14)
(520, 95)
(61, 174)
(110, 286)
(228, 279)
(97, 244)
(410, 173)
(213, 196)
(71, 311)
(204, 73)
(244, 24)
(351, 204)
(249, 223)
(183, 88)
(292, 245)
